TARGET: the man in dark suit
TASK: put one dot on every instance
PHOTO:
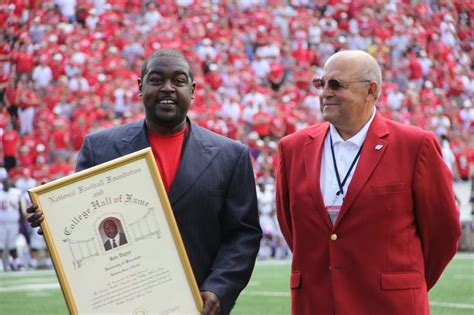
(209, 179)
(365, 204)
(114, 237)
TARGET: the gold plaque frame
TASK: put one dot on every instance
(137, 266)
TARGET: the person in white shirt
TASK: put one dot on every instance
(152, 16)
(42, 76)
(67, 8)
(9, 225)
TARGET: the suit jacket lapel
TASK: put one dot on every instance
(197, 154)
(313, 150)
(369, 158)
(135, 139)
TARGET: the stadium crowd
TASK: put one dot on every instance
(70, 67)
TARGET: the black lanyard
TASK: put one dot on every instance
(341, 185)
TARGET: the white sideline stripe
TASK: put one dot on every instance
(464, 255)
(266, 293)
(31, 287)
(464, 277)
(453, 305)
(271, 262)
(287, 294)
(25, 273)
(19, 281)
(253, 283)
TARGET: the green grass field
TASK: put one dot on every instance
(267, 293)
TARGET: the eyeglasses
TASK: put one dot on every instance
(334, 84)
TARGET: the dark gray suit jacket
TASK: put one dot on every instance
(213, 199)
(122, 241)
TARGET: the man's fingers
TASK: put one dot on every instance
(211, 303)
(32, 209)
(35, 218)
(207, 307)
(215, 309)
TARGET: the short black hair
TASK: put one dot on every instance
(162, 53)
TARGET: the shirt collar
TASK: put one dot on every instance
(358, 138)
(116, 238)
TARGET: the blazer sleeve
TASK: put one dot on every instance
(282, 199)
(241, 235)
(437, 216)
(85, 158)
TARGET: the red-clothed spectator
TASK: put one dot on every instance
(60, 137)
(60, 167)
(11, 100)
(77, 133)
(28, 101)
(10, 140)
(6, 52)
(57, 66)
(278, 124)
(24, 60)
(261, 123)
(26, 157)
(276, 75)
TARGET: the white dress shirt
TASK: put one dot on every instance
(117, 241)
(345, 152)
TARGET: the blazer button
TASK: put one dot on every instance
(333, 237)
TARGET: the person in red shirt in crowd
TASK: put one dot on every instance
(464, 155)
(4, 82)
(4, 118)
(24, 61)
(57, 66)
(26, 157)
(41, 170)
(10, 140)
(11, 101)
(30, 141)
(278, 124)
(277, 75)
(261, 122)
(77, 133)
(60, 137)
(60, 167)
(213, 77)
(5, 58)
(415, 71)
(28, 101)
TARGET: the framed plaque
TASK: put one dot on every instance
(114, 242)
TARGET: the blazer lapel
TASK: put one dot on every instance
(135, 139)
(313, 150)
(197, 155)
(373, 149)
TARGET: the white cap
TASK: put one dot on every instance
(3, 174)
(58, 57)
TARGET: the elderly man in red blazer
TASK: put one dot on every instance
(365, 204)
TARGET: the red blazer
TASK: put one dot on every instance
(397, 230)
